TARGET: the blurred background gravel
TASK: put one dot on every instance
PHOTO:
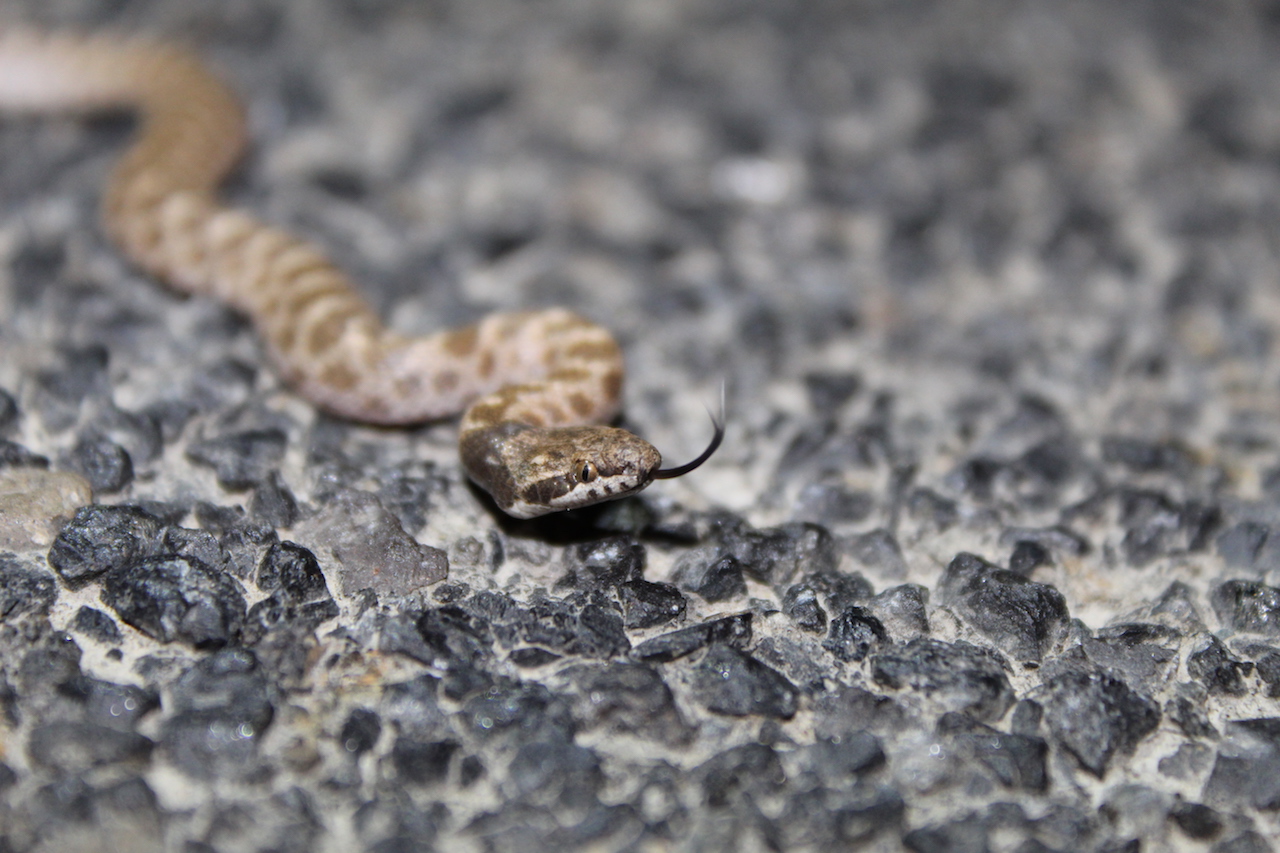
(987, 561)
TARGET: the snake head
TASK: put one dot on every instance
(532, 471)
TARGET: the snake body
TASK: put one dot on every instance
(534, 388)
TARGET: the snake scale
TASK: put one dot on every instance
(535, 388)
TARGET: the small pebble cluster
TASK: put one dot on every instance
(989, 560)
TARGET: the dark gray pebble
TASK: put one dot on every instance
(555, 773)
(829, 390)
(607, 562)
(969, 834)
(69, 747)
(293, 571)
(1095, 716)
(625, 698)
(1018, 761)
(410, 493)
(8, 411)
(1267, 661)
(844, 710)
(1145, 653)
(775, 555)
(95, 624)
(177, 598)
(903, 610)
(272, 502)
(1246, 771)
(198, 545)
(14, 455)
(752, 769)
(1058, 539)
(101, 538)
(1158, 526)
(240, 460)
(838, 760)
(840, 817)
(1214, 666)
(413, 707)
(453, 638)
(1196, 820)
(577, 625)
(1247, 606)
(801, 603)
(220, 709)
(1240, 544)
(521, 711)
(137, 432)
(732, 682)
(24, 589)
(106, 465)
(932, 510)
(1027, 557)
(716, 579)
(531, 658)
(277, 615)
(419, 762)
(116, 706)
(1023, 618)
(360, 731)
(854, 634)
(959, 676)
(833, 505)
(880, 552)
(733, 630)
(60, 391)
(645, 603)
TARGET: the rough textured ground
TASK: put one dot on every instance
(987, 561)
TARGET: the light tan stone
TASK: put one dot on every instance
(35, 504)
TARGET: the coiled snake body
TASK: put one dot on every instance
(533, 387)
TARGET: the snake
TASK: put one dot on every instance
(536, 389)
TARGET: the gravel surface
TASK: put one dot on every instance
(987, 561)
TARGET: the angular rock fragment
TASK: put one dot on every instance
(101, 538)
(854, 633)
(1025, 619)
(370, 548)
(1096, 717)
(241, 460)
(177, 598)
(958, 676)
(220, 709)
(733, 630)
(732, 682)
(645, 603)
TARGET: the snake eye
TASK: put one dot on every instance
(588, 472)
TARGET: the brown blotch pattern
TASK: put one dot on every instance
(339, 376)
(462, 342)
(612, 383)
(446, 381)
(322, 335)
(592, 350)
(581, 404)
